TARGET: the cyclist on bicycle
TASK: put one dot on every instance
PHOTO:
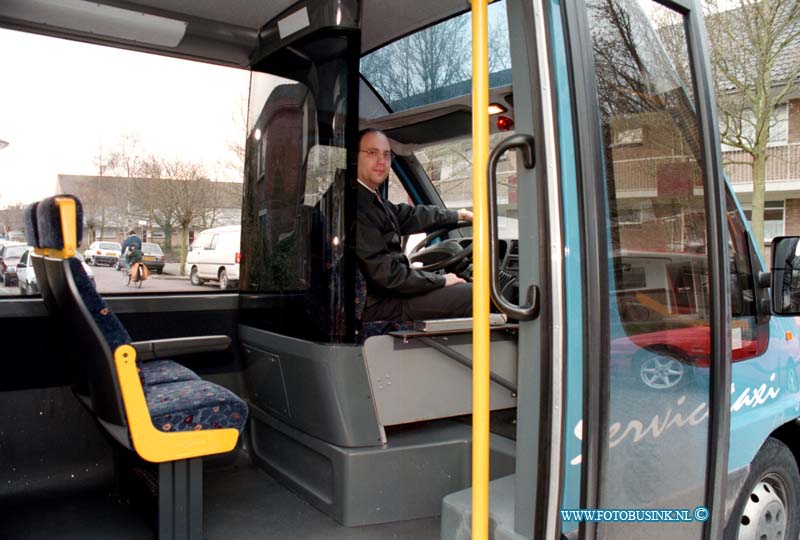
(132, 256)
(132, 241)
(134, 267)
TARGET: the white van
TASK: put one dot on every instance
(214, 256)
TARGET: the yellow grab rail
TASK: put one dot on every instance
(480, 272)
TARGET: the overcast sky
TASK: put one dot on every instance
(61, 101)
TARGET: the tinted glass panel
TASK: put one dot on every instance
(293, 223)
(435, 64)
(659, 301)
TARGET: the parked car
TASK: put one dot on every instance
(215, 256)
(9, 257)
(664, 359)
(153, 257)
(102, 252)
(26, 278)
(28, 285)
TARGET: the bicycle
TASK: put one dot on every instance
(139, 276)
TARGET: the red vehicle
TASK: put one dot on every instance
(662, 359)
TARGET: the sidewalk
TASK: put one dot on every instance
(172, 271)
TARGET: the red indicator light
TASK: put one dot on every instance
(504, 123)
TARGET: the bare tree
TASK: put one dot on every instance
(11, 218)
(499, 54)
(127, 157)
(154, 198)
(96, 204)
(426, 63)
(191, 195)
(234, 167)
(96, 198)
(115, 199)
(754, 71)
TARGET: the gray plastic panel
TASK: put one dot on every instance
(457, 513)
(412, 382)
(320, 389)
(403, 479)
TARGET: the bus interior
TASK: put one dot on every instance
(352, 432)
(636, 360)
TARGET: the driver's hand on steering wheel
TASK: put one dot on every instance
(452, 279)
(464, 215)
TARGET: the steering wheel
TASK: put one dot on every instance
(450, 249)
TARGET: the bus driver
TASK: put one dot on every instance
(395, 289)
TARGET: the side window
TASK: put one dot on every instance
(748, 338)
(167, 164)
(213, 243)
(397, 192)
(449, 167)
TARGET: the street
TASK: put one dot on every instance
(110, 281)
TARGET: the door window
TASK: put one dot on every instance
(659, 281)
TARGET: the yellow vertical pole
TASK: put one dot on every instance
(480, 275)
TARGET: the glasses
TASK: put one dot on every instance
(374, 153)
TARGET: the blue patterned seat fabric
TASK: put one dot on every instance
(165, 371)
(194, 405)
(174, 406)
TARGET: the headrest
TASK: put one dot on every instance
(31, 226)
(50, 226)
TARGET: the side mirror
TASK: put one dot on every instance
(22, 265)
(786, 275)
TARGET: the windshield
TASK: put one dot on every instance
(449, 168)
(151, 249)
(110, 245)
(436, 63)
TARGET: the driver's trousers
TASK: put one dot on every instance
(442, 303)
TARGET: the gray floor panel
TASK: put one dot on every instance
(243, 502)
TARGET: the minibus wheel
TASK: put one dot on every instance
(224, 282)
(767, 505)
(661, 369)
(194, 276)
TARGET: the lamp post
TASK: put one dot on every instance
(142, 223)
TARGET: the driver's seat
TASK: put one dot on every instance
(372, 328)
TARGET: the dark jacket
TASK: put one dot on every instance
(378, 244)
(132, 240)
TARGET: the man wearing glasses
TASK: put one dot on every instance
(395, 289)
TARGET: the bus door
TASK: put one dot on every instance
(647, 407)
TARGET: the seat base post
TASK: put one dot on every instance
(180, 500)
